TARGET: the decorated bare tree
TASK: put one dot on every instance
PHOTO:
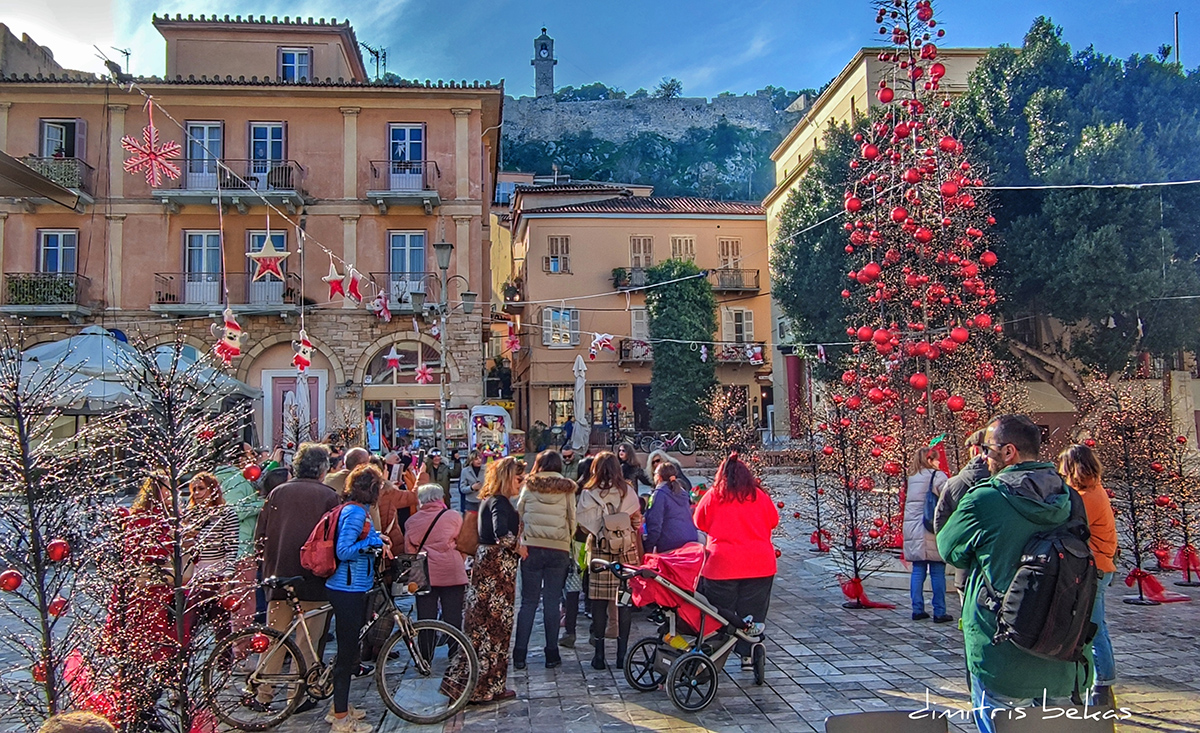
(1185, 493)
(53, 478)
(161, 613)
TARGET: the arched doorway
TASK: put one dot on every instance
(399, 409)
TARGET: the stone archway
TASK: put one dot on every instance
(243, 372)
(383, 342)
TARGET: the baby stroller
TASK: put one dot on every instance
(694, 638)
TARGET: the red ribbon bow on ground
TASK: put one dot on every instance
(1151, 588)
(853, 590)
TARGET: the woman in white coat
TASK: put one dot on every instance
(920, 545)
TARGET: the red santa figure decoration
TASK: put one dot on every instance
(601, 342)
(304, 348)
(231, 337)
(379, 307)
(755, 354)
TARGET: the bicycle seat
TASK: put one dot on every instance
(277, 582)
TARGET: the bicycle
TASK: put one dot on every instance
(255, 679)
(676, 443)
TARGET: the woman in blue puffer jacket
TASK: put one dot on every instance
(349, 585)
(669, 524)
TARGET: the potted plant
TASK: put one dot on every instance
(620, 277)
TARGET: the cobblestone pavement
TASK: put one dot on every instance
(821, 660)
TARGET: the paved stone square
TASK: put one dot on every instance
(821, 660)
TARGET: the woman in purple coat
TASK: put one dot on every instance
(669, 523)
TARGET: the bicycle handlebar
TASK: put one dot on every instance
(624, 572)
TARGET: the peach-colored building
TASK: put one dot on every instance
(573, 239)
(277, 112)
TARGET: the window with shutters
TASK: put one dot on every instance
(639, 325)
(558, 256)
(641, 252)
(683, 248)
(63, 138)
(730, 252)
(560, 327)
(737, 325)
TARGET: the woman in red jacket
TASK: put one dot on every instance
(738, 518)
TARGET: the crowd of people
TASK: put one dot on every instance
(482, 525)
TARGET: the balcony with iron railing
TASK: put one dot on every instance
(400, 287)
(626, 279)
(237, 182)
(635, 351)
(733, 280)
(46, 294)
(750, 352)
(404, 183)
(204, 292)
(71, 173)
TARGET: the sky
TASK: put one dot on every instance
(790, 43)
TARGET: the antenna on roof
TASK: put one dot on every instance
(124, 52)
(379, 54)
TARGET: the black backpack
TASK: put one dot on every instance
(1047, 609)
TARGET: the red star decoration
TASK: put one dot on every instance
(334, 281)
(392, 358)
(149, 154)
(267, 261)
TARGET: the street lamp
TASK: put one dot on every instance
(441, 309)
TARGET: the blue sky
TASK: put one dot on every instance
(711, 46)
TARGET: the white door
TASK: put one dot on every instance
(202, 268)
(266, 153)
(406, 265)
(406, 158)
(204, 150)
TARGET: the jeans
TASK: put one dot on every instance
(1102, 651)
(737, 599)
(937, 579)
(987, 707)
(451, 598)
(543, 575)
(349, 614)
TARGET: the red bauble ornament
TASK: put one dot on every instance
(873, 533)
(882, 336)
(876, 396)
(1089, 442)
(795, 515)
(864, 333)
(866, 483)
(57, 607)
(39, 672)
(251, 472)
(878, 522)
(983, 320)
(778, 552)
(854, 402)
(955, 403)
(853, 204)
(892, 468)
(958, 334)
(1163, 501)
(231, 603)
(949, 189)
(885, 95)
(779, 504)
(849, 377)
(923, 235)
(260, 643)
(827, 450)
(899, 214)
(937, 70)
(947, 144)
(988, 259)
(1156, 466)
(870, 152)
(1182, 440)
(912, 175)
(10, 580)
(870, 271)
(918, 381)
(58, 550)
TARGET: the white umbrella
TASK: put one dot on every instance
(303, 410)
(583, 426)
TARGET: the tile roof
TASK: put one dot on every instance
(261, 20)
(254, 81)
(572, 187)
(655, 205)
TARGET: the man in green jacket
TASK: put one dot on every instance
(986, 535)
(243, 496)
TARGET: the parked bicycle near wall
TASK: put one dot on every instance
(678, 442)
(255, 680)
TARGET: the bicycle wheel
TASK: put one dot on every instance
(758, 655)
(640, 671)
(410, 672)
(685, 446)
(644, 441)
(254, 690)
(692, 682)
(657, 444)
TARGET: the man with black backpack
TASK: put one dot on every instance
(1022, 537)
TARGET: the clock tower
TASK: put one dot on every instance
(543, 64)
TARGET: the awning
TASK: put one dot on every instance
(18, 180)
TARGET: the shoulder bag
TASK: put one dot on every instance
(412, 569)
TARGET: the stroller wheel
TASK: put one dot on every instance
(758, 657)
(639, 666)
(692, 682)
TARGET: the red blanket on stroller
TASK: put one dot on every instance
(681, 567)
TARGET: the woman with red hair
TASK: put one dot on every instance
(738, 517)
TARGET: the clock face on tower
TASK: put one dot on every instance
(544, 52)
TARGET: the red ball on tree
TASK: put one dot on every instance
(983, 320)
(231, 603)
(870, 152)
(949, 189)
(864, 333)
(251, 472)
(795, 515)
(853, 204)
(849, 377)
(779, 504)
(58, 550)
(10, 580)
(1157, 468)
(886, 95)
(955, 403)
(918, 381)
(899, 214)
(854, 402)
(923, 235)
(1162, 500)
(958, 334)
(947, 144)
(988, 259)
(57, 607)
(1182, 440)
(892, 468)
(827, 450)
(912, 175)
(875, 396)
(881, 335)
(260, 643)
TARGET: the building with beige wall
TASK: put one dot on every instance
(573, 239)
(279, 112)
(849, 97)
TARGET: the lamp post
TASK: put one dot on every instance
(441, 309)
